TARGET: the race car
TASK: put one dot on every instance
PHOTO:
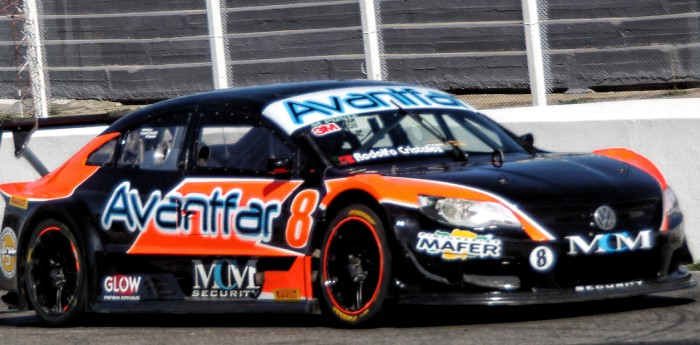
(334, 197)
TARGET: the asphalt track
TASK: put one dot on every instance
(669, 318)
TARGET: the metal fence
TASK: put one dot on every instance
(497, 53)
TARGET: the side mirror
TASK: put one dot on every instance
(280, 167)
(528, 140)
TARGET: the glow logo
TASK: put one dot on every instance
(121, 287)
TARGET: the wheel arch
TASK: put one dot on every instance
(353, 196)
(90, 244)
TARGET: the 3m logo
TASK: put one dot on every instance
(325, 129)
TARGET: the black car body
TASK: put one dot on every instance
(338, 195)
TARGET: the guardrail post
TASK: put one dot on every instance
(217, 44)
(535, 60)
(35, 59)
(370, 36)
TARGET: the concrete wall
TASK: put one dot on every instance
(664, 130)
(52, 146)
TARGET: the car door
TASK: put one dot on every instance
(137, 169)
(241, 195)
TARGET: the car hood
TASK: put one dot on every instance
(556, 179)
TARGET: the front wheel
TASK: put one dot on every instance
(355, 266)
(55, 273)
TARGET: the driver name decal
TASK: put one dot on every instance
(382, 153)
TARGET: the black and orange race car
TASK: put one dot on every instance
(334, 197)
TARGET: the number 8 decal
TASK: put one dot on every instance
(542, 258)
(301, 220)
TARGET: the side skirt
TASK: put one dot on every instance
(203, 307)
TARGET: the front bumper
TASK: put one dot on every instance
(513, 270)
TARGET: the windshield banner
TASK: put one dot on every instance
(297, 112)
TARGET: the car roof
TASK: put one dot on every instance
(255, 98)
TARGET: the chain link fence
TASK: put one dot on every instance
(611, 49)
(467, 47)
(283, 41)
(142, 51)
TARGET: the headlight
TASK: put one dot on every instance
(670, 202)
(2, 210)
(476, 215)
(673, 217)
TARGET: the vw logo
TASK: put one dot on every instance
(605, 218)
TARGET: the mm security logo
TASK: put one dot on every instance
(614, 286)
(225, 279)
(610, 243)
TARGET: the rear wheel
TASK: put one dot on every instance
(55, 273)
(355, 266)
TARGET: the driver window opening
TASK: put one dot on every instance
(241, 147)
(153, 146)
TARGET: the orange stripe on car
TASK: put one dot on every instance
(294, 284)
(63, 181)
(640, 162)
(405, 191)
(636, 160)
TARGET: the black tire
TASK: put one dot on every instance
(354, 267)
(55, 273)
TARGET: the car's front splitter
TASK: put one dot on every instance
(681, 279)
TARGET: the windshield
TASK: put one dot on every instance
(398, 135)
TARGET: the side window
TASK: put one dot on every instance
(104, 154)
(155, 145)
(241, 147)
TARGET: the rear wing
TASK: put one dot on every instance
(22, 130)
